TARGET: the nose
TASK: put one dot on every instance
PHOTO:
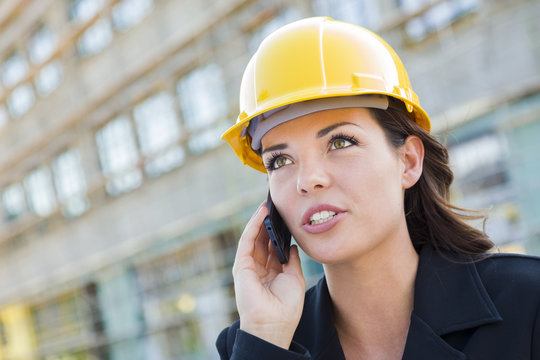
(312, 177)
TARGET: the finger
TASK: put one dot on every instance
(247, 240)
(246, 243)
(273, 260)
(260, 254)
(294, 266)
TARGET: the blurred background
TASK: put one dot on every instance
(120, 206)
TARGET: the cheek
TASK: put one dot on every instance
(282, 191)
(373, 182)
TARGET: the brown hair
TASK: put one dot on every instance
(431, 218)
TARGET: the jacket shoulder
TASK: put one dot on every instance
(511, 265)
(511, 272)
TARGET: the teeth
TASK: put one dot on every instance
(321, 217)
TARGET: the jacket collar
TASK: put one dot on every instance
(449, 296)
(316, 329)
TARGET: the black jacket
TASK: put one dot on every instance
(483, 310)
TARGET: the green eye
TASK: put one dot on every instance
(276, 161)
(340, 143)
(280, 161)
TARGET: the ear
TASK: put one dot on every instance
(412, 156)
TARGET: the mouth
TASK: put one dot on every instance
(321, 218)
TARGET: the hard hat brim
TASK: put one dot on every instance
(238, 138)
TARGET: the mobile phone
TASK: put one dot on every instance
(279, 234)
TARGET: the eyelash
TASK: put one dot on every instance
(269, 164)
(271, 161)
(343, 136)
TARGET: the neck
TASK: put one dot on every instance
(373, 299)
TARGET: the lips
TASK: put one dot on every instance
(321, 218)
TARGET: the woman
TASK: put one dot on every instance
(328, 112)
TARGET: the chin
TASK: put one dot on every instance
(328, 253)
(333, 252)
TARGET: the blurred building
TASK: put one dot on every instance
(120, 206)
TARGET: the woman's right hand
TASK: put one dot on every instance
(269, 295)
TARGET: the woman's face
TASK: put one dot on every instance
(337, 182)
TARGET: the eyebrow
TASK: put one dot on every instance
(274, 148)
(326, 130)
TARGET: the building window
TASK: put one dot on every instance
(468, 157)
(13, 201)
(203, 100)
(186, 289)
(49, 78)
(97, 36)
(481, 166)
(14, 70)
(128, 13)
(70, 183)
(360, 12)
(22, 97)
(41, 47)
(21, 100)
(480, 163)
(39, 188)
(65, 317)
(118, 156)
(436, 18)
(84, 10)
(158, 132)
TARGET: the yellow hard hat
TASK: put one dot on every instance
(317, 58)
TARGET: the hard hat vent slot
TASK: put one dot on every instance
(368, 81)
